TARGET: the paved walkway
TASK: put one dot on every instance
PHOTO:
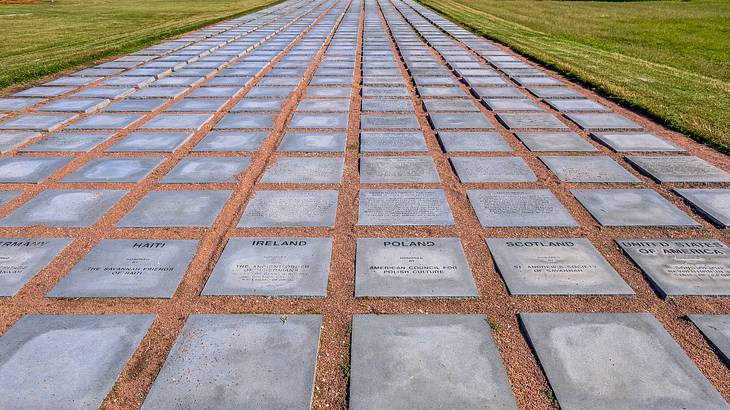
(332, 203)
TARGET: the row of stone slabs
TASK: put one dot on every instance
(385, 267)
(596, 360)
(378, 207)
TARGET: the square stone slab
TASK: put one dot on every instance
(435, 105)
(375, 121)
(328, 106)
(713, 204)
(196, 104)
(37, 122)
(404, 207)
(13, 104)
(473, 142)
(716, 329)
(129, 269)
(632, 207)
(378, 105)
(635, 142)
(105, 122)
(602, 121)
(555, 142)
(23, 258)
(290, 209)
(519, 208)
(29, 169)
(207, 170)
(69, 142)
(412, 267)
(577, 105)
(176, 208)
(145, 141)
(304, 170)
(588, 169)
(466, 120)
(531, 121)
(177, 121)
(258, 104)
(376, 170)
(319, 121)
(313, 142)
(421, 361)
(272, 267)
(665, 169)
(555, 92)
(43, 91)
(240, 361)
(555, 266)
(495, 169)
(616, 361)
(677, 267)
(392, 142)
(246, 121)
(70, 208)
(66, 361)
(512, 104)
(114, 170)
(231, 141)
(74, 105)
(131, 105)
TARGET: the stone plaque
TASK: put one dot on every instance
(531, 121)
(632, 207)
(588, 169)
(602, 121)
(634, 142)
(29, 169)
(377, 170)
(404, 207)
(465, 120)
(128, 268)
(392, 142)
(313, 142)
(555, 266)
(114, 170)
(512, 104)
(519, 208)
(207, 170)
(66, 361)
(713, 204)
(682, 266)
(304, 170)
(69, 142)
(412, 267)
(258, 266)
(473, 142)
(230, 141)
(555, 142)
(290, 208)
(150, 142)
(678, 169)
(70, 208)
(176, 208)
(555, 92)
(23, 258)
(240, 361)
(716, 329)
(616, 361)
(494, 169)
(426, 361)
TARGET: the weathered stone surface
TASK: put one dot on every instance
(512, 104)
(716, 329)
(473, 142)
(290, 208)
(632, 207)
(412, 267)
(713, 204)
(392, 142)
(602, 121)
(207, 170)
(258, 266)
(374, 170)
(531, 121)
(29, 169)
(7, 196)
(69, 142)
(128, 268)
(616, 361)
(678, 169)
(66, 361)
(145, 141)
(418, 361)
(73, 208)
(577, 105)
(375, 121)
(231, 121)
(555, 142)
(229, 361)
(23, 258)
(588, 169)
(313, 142)
(74, 105)
(682, 266)
(230, 141)
(319, 121)
(519, 207)
(304, 170)
(443, 121)
(11, 140)
(634, 142)
(176, 208)
(105, 122)
(177, 121)
(404, 207)
(555, 266)
(37, 122)
(114, 170)
(494, 169)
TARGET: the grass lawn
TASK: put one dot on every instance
(40, 38)
(668, 59)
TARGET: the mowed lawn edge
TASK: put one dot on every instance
(687, 102)
(47, 66)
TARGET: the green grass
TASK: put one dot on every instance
(41, 38)
(667, 59)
